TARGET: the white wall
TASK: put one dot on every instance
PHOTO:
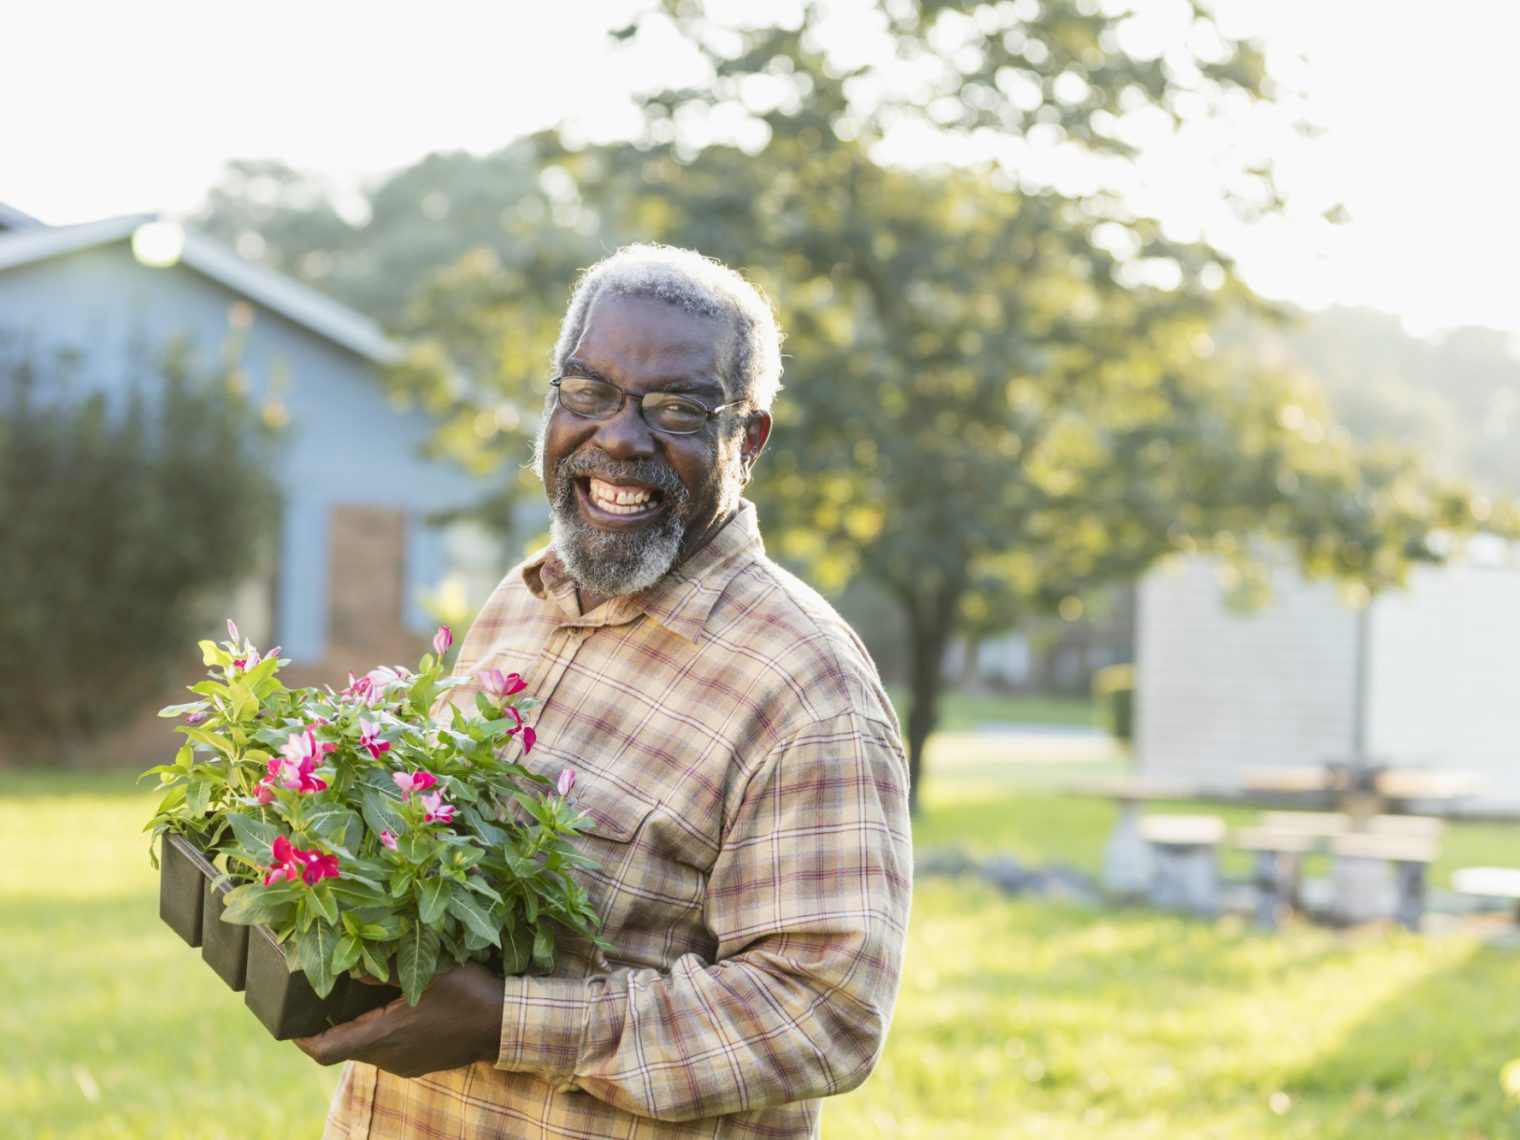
(1444, 677)
(1218, 691)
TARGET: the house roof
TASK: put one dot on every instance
(30, 243)
(13, 219)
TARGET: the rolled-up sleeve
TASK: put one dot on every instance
(808, 903)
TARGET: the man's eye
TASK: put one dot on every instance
(680, 414)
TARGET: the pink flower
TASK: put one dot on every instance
(291, 863)
(370, 689)
(388, 839)
(362, 690)
(197, 717)
(437, 811)
(232, 632)
(410, 782)
(369, 739)
(529, 738)
(566, 782)
(294, 767)
(499, 686)
(442, 640)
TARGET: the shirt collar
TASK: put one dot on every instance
(681, 601)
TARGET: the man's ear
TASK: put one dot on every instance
(757, 429)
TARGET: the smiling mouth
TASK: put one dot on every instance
(624, 500)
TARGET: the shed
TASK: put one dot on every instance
(1425, 677)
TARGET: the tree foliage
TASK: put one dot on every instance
(1001, 397)
(122, 515)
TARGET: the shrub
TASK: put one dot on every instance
(1113, 688)
(119, 515)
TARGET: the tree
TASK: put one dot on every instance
(1002, 397)
(122, 517)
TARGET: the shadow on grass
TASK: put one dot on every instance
(1427, 1059)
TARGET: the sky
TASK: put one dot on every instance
(114, 108)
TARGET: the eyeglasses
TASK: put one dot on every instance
(663, 411)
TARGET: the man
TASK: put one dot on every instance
(733, 750)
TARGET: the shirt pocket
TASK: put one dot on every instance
(648, 897)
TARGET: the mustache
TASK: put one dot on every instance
(649, 472)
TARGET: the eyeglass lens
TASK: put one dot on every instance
(597, 400)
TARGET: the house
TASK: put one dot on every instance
(1425, 677)
(357, 544)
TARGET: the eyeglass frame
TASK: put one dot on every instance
(624, 396)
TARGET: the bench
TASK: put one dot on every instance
(1359, 877)
(1279, 856)
(1489, 882)
(1184, 863)
(1126, 855)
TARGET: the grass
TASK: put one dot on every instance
(1016, 1017)
(968, 712)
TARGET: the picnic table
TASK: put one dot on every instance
(1364, 850)
(1361, 788)
(1127, 862)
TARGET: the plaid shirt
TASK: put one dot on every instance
(744, 777)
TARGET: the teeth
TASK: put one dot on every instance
(620, 500)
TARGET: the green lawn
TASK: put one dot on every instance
(967, 712)
(1016, 1017)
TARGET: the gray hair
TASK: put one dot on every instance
(698, 284)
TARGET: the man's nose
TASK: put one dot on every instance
(626, 435)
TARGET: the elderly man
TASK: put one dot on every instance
(735, 754)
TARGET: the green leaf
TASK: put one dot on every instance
(381, 812)
(211, 739)
(333, 822)
(317, 944)
(173, 798)
(543, 948)
(468, 909)
(181, 710)
(323, 903)
(432, 899)
(261, 672)
(416, 960)
(346, 954)
(255, 903)
(424, 691)
(244, 703)
(516, 949)
(198, 796)
(254, 835)
(374, 965)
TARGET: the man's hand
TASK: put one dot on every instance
(457, 1022)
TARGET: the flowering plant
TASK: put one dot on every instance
(366, 835)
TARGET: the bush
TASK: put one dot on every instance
(123, 514)
(1113, 691)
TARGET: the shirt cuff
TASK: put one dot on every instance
(542, 1020)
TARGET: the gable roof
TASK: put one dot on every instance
(291, 299)
(13, 219)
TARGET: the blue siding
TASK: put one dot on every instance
(345, 443)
